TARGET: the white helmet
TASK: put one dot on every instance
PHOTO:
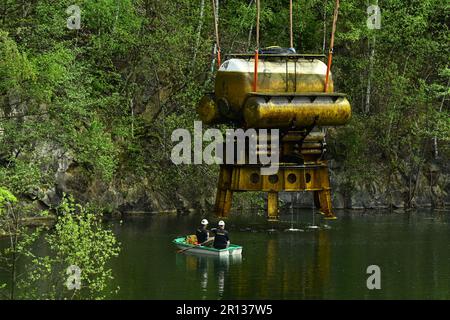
(204, 222)
(221, 223)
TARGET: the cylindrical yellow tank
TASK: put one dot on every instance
(296, 111)
(207, 109)
(234, 79)
(290, 94)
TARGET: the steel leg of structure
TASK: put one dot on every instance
(272, 206)
(224, 194)
(325, 204)
(231, 179)
(323, 197)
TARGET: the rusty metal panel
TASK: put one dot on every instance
(280, 112)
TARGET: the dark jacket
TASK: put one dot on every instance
(221, 238)
(202, 234)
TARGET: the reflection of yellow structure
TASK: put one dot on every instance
(290, 97)
(284, 265)
(305, 274)
(322, 263)
(271, 268)
(313, 275)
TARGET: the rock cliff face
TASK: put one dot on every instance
(431, 189)
(131, 194)
(125, 195)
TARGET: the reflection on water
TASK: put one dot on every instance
(412, 250)
(275, 268)
(212, 271)
(293, 269)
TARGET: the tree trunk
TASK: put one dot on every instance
(435, 144)
(199, 30)
(369, 77)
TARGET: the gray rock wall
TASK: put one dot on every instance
(139, 194)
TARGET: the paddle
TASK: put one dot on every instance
(198, 245)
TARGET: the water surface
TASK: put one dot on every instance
(412, 251)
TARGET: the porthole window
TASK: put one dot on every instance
(273, 179)
(254, 178)
(291, 178)
(308, 178)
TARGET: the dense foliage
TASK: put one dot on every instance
(78, 240)
(109, 94)
(37, 262)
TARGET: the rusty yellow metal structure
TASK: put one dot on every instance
(291, 98)
(281, 111)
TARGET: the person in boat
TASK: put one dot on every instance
(202, 232)
(221, 238)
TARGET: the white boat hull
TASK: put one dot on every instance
(218, 253)
(192, 249)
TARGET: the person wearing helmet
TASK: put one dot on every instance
(202, 233)
(221, 238)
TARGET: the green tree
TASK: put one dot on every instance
(78, 239)
(20, 241)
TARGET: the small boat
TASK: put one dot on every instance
(232, 249)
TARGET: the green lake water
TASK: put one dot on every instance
(412, 251)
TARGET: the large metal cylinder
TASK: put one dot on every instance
(234, 79)
(207, 110)
(290, 94)
(296, 111)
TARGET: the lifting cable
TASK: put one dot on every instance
(299, 25)
(216, 29)
(330, 52)
(255, 71)
(324, 25)
(291, 34)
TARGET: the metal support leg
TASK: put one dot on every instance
(323, 197)
(272, 206)
(224, 194)
(325, 204)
